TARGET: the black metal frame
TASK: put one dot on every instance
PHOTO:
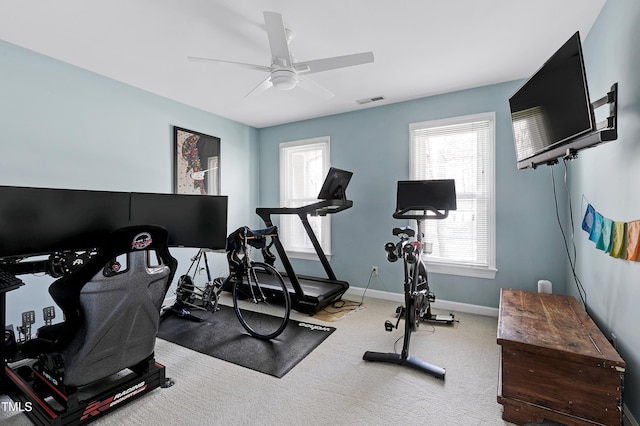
(31, 395)
(411, 276)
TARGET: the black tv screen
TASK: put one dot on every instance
(439, 194)
(335, 184)
(35, 221)
(552, 107)
(192, 220)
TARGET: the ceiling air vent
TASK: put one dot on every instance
(368, 100)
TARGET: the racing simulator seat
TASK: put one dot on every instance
(102, 355)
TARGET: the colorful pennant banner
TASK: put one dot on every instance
(620, 239)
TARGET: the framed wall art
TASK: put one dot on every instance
(196, 163)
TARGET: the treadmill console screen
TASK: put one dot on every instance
(335, 184)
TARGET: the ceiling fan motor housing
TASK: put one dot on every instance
(284, 79)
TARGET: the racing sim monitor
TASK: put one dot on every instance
(37, 221)
(40, 221)
(192, 220)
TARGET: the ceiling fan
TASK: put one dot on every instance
(284, 73)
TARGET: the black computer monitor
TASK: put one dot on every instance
(191, 220)
(439, 194)
(35, 221)
(335, 184)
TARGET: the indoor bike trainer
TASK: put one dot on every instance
(418, 200)
(311, 294)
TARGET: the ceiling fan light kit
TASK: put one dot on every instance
(284, 79)
(283, 72)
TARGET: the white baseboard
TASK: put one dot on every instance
(397, 297)
(438, 304)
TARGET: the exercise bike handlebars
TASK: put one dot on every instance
(407, 250)
(435, 213)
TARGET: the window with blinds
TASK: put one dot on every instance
(461, 148)
(303, 167)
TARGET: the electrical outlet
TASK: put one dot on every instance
(374, 270)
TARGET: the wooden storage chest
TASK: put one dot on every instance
(555, 363)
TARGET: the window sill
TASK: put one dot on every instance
(462, 270)
(305, 255)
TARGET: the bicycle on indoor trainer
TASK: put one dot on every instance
(260, 297)
(417, 200)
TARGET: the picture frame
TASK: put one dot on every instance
(196, 162)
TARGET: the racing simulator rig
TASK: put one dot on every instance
(109, 255)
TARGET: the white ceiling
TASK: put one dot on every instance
(421, 47)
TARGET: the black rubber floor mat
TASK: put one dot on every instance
(221, 336)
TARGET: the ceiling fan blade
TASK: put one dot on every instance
(327, 64)
(280, 54)
(315, 88)
(264, 85)
(250, 66)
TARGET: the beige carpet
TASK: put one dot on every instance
(333, 385)
(339, 310)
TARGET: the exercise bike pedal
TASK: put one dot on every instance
(388, 325)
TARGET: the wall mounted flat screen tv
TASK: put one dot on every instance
(552, 108)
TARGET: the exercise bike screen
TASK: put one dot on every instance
(439, 194)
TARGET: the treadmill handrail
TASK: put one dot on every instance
(328, 206)
(436, 213)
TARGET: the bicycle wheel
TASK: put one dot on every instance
(261, 301)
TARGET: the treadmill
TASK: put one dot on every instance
(311, 294)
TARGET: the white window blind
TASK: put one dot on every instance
(303, 167)
(460, 148)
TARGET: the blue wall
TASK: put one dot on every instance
(606, 176)
(64, 127)
(374, 144)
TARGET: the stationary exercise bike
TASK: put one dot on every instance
(418, 200)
